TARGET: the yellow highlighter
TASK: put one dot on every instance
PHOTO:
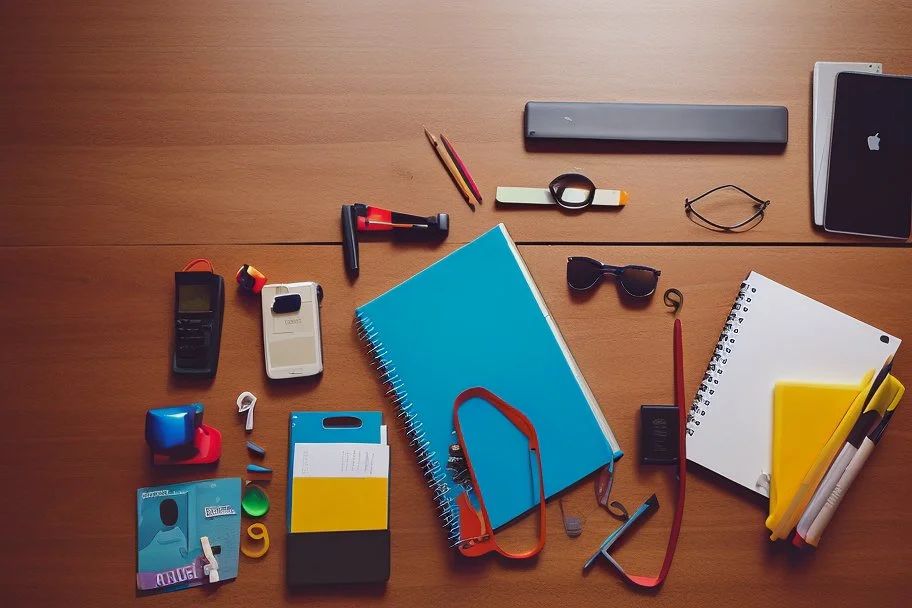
(781, 524)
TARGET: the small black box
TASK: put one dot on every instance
(659, 434)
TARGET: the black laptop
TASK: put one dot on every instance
(869, 190)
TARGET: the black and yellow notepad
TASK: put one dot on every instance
(338, 499)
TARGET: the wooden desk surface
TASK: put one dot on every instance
(203, 121)
(81, 375)
(135, 136)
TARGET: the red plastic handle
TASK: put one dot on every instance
(475, 531)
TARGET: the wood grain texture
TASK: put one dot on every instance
(205, 121)
(86, 352)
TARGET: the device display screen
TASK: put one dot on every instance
(194, 298)
(868, 189)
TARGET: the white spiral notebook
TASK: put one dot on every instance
(772, 334)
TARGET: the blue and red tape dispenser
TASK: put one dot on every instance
(177, 435)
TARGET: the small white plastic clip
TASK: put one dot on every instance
(245, 403)
(212, 567)
(763, 482)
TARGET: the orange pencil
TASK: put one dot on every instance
(451, 168)
(463, 170)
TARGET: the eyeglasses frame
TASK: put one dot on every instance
(557, 192)
(759, 204)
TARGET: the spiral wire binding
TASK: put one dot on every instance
(435, 475)
(722, 353)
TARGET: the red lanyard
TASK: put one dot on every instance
(655, 581)
(475, 530)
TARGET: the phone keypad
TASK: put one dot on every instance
(192, 337)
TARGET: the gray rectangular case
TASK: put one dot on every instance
(656, 122)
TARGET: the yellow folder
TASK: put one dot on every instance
(805, 418)
(808, 432)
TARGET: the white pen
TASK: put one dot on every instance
(845, 482)
(823, 491)
(833, 475)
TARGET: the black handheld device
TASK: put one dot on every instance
(199, 302)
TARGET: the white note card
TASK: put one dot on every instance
(341, 460)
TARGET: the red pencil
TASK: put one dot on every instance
(463, 171)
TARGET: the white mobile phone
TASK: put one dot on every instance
(291, 329)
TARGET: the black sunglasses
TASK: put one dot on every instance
(637, 281)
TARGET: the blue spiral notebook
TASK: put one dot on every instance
(476, 318)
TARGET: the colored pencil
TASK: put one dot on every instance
(463, 170)
(451, 168)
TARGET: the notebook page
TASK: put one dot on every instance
(782, 335)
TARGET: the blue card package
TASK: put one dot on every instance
(188, 534)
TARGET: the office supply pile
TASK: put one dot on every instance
(777, 420)
(795, 397)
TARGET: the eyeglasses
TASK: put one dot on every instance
(759, 206)
(585, 273)
(476, 535)
(575, 191)
(572, 191)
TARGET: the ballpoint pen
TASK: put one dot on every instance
(856, 436)
(845, 482)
